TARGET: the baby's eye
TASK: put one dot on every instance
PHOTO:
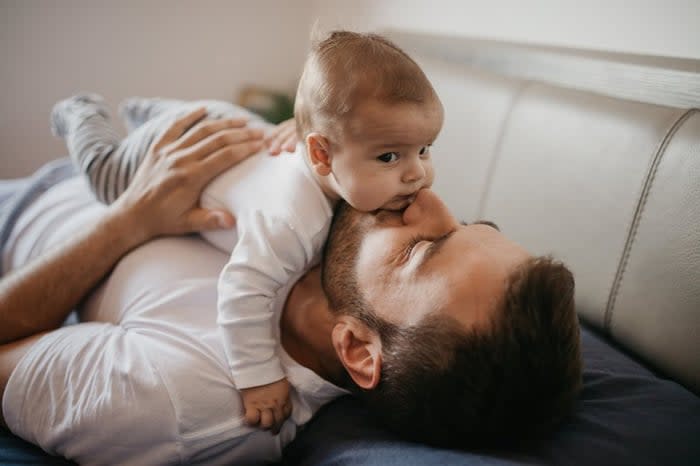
(388, 157)
(424, 150)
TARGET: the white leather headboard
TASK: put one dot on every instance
(602, 171)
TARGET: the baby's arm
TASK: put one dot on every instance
(269, 254)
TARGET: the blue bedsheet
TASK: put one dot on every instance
(17, 195)
(626, 415)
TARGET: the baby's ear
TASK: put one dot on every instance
(317, 146)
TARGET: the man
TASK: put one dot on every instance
(451, 332)
(468, 340)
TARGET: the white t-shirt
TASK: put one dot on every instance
(145, 379)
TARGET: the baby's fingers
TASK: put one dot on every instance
(282, 137)
(267, 419)
(280, 417)
(252, 417)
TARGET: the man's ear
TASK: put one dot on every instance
(360, 351)
(317, 146)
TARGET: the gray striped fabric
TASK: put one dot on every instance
(96, 149)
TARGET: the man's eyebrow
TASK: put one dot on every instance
(488, 223)
(482, 222)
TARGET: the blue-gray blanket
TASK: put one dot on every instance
(17, 195)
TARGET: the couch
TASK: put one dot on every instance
(595, 159)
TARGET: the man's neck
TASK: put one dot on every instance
(306, 327)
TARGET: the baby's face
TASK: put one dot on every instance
(383, 158)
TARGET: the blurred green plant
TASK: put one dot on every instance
(273, 106)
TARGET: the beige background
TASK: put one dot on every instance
(211, 48)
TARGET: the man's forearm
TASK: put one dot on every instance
(40, 296)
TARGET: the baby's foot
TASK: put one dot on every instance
(67, 114)
(135, 111)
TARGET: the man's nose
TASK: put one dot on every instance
(429, 210)
(414, 172)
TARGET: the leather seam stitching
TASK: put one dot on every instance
(496, 154)
(637, 217)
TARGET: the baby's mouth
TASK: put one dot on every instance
(400, 202)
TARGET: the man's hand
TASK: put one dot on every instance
(163, 198)
(267, 406)
(282, 137)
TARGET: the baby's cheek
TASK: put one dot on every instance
(429, 182)
(429, 176)
(383, 192)
(367, 197)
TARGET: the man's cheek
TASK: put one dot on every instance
(372, 256)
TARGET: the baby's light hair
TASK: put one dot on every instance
(344, 69)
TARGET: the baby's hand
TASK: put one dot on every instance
(282, 137)
(267, 406)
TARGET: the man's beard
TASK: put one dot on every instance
(338, 274)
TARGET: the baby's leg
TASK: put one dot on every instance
(96, 150)
(83, 120)
(135, 111)
(108, 162)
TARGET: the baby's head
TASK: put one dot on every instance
(368, 116)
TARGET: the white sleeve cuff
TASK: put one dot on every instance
(263, 374)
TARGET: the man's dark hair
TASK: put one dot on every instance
(505, 383)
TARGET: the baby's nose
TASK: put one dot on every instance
(415, 172)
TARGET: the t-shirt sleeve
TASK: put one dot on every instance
(270, 252)
(80, 391)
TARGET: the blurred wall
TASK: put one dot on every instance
(650, 27)
(172, 48)
(210, 48)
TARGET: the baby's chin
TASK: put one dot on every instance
(395, 204)
(399, 203)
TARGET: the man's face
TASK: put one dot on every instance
(410, 264)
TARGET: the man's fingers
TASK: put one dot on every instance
(200, 219)
(179, 127)
(205, 129)
(220, 139)
(287, 410)
(225, 158)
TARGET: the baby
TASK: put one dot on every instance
(366, 116)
